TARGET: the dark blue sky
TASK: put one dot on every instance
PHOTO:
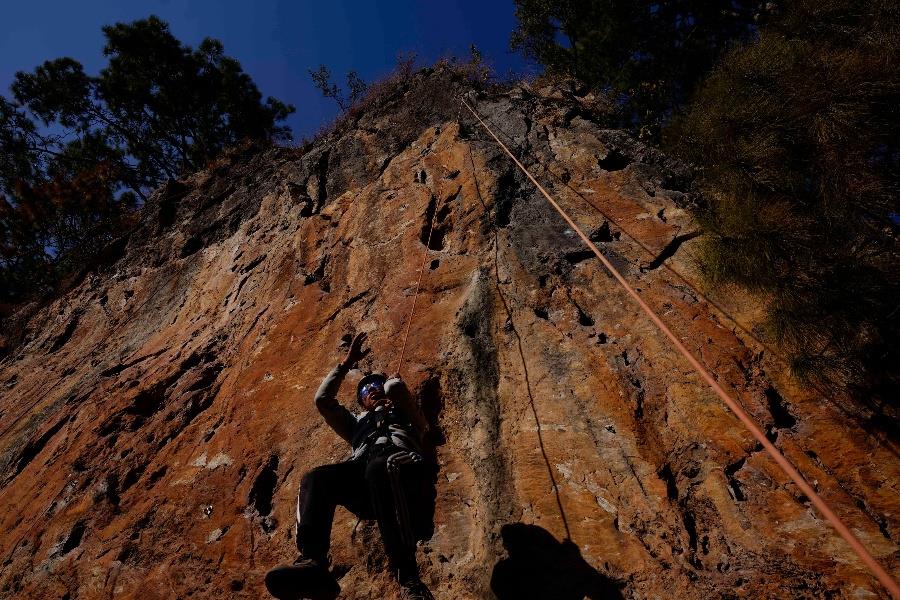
(276, 41)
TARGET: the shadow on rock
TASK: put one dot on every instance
(425, 489)
(539, 566)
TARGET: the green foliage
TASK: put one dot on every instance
(797, 138)
(158, 109)
(648, 56)
(20, 144)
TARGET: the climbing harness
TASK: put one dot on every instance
(874, 566)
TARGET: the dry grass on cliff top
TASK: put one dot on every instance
(415, 97)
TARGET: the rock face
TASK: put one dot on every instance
(157, 419)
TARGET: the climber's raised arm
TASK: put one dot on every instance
(386, 477)
(337, 416)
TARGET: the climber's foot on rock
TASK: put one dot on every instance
(305, 579)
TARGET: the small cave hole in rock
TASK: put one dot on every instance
(508, 192)
(126, 552)
(435, 240)
(108, 489)
(602, 338)
(601, 234)
(322, 180)
(74, 538)
(690, 526)
(669, 479)
(192, 246)
(206, 377)
(578, 256)
(168, 209)
(210, 433)
(542, 313)
(429, 220)
(193, 359)
(132, 476)
(781, 416)
(584, 319)
(733, 483)
(434, 264)
(319, 272)
(33, 448)
(148, 401)
(156, 475)
(638, 400)
(263, 488)
(66, 335)
(614, 161)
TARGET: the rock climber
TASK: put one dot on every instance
(381, 479)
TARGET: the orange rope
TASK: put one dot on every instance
(754, 429)
(416, 294)
(885, 443)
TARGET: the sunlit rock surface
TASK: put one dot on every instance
(157, 419)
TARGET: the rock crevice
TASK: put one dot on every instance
(158, 417)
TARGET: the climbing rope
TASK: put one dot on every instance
(880, 573)
(772, 352)
(412, 310)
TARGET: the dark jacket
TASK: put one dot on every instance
(402, 425)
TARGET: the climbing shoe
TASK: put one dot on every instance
(305, 579)
(414, 590)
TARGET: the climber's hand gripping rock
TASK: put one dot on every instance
(356, 352)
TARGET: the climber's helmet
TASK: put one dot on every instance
(372, 383)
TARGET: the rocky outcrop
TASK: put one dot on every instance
(157, 419)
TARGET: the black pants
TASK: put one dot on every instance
(363, 487)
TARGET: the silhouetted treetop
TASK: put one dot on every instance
(648, 55)
(159, 108)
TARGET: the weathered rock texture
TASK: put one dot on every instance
(158, 418)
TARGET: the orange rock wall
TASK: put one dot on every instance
(157, 419)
